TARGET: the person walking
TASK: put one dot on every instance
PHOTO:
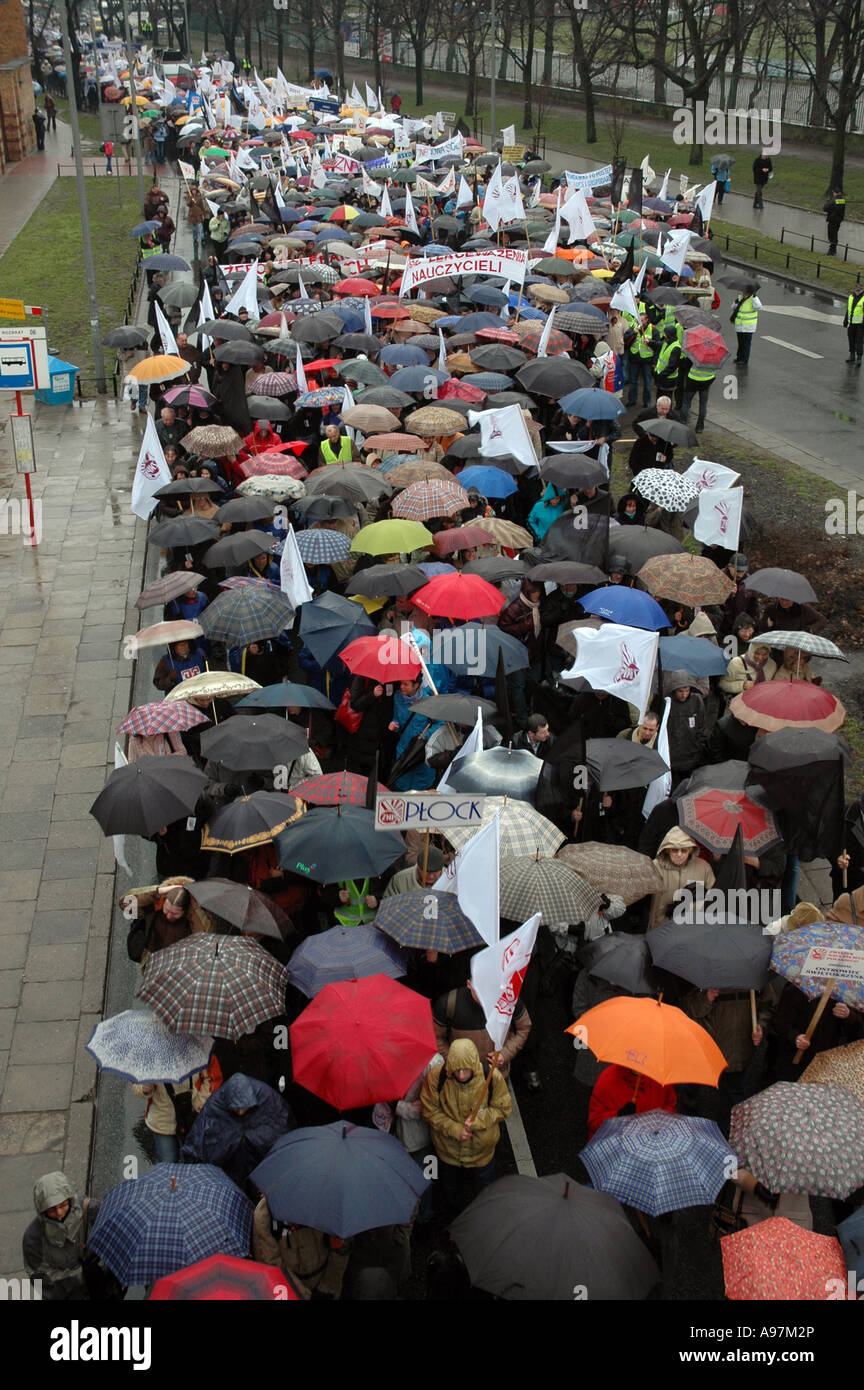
(745, 317)
(51, 113)
(835, 211)
(53, 1245)
(108, 151)
(464, 1141)
(39, 124)
(763, 170)
(196, 216)
(853, 322)
(698, 382)
(642, 350)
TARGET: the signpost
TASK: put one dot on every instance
(23, 367)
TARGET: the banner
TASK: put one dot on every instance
(241, 267)
(834, 963)
(425, 153)
(719, 518)
(513, 265)
(595, 179)
(618, 659)
(497, 975)
(427, 810)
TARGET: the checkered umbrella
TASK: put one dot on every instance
(547, 886)
(251, 614)
(162, 717)
(323, 547)
(802, 1139)
(613, 869)
(171, 1217)
(336, 788)
(344, 953)
(406, 918)
(273, 384)
(423, 500)
(657, 1162)
(666, 489)
(777, 1259)
(273, 462)
(523, 830)
(136, 1045)
(803, 642)
(223, 985)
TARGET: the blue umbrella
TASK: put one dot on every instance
(354, 322)
(333, 234)
(173, 1216)
(450, 321)
(590, 403)
(344, 953)
(403, 355)
(469, 323)
(694, 655)
(489, 482)
(340, 1179)
(485, 294)
(632, 607)
(144, 227)
(418, 378)
(286, 695)
(527, 311)
(137, 1045)
(489, 381)
(657, 1162)
(432, 568)
(329, 622)
(434, 248)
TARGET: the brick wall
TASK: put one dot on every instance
(17, 136)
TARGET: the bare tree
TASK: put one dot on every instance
(522, 16)
(468, 22)
(596, 41)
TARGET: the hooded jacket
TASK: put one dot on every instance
(53, 1250)
(674, 878)
(446, 1109)
(237, 1143)
(686, 725)
(741, 672)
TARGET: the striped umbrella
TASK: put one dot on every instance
(225, 1278)
(657, 1162)
(323, 547)
(406, 918)
(435, 497)
(162, 717)
(344, 953)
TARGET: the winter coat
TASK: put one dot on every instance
(518, 619)
(171, 670)
(741, 673)
(686, 738)
(312, 1259)
(53, 1250)
(160, 1115)
(377, 714)
(729, 1021)
(695, 870)
(457, 1015)
(618, 1086)
(801, 617)
(446, 1109)
(237, 1143)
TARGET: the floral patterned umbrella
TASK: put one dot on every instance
(324, 395)
(839, 1066)
(690, 579)
(802, 1139)
(777, 1259)
(792, 958)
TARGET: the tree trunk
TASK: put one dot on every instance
(280, 38)
(419, 46)
(471, 84)
(528, 78)
(660, 37)
(549, 42)
(247, 40)
(506, 36)
(838, 148)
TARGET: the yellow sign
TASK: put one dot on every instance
(11, 308)
(511, 154)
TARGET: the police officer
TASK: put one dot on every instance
(835, 211)
(853, 322)
(745, 316)
(698, 382)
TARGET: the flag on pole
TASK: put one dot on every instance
(618, 659)
(304, 293)
(640, 279)
(503, 431)
(300, 371)
(474, 878)
(464, 198)
(550, 245)
(497, 975)
(575, 213)
(246, 294)
(625, 299)
(660, 788)
(508, 134)
(442, 352)
(719, 518)
(371, 100)
(370, 187)
(472, 744)
(386, 209)
(151, 472)
(705, 474)
(547, 333)
(503, 201)
(367, 317)
(674, 253)
(664, 187)
(292, 575)
(410, 215)
(705, 202)
(169, 342)
(120, 760)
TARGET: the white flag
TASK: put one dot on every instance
(575, 213)
(647, 172)
(410, 216)
(550, 245)
(508, 135)
(187, 170)
(355, 98)
(371, 99)
(674, 253)
(370, 187)
(246, 294)
(474, 877)
(719, 519)
(640, 279)
(660, 788)
(442, 352)
(464, 198)
(664, 187)
(705, 202)
(503, 201)
(547, 333)
(503, 431)
(205, 314)
(618, 659)
(169, 342)
(625, 299)
(367, 317)
(120, 760)
(497, 974)
(300, 372)
(472, 744)
(304, 293)
(505, 307)
(293, 580)
(386, 209)
(151, 472)
(705, 474)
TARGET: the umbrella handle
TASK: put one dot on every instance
(817, 1014)
(753, 1020)
(486, 1089)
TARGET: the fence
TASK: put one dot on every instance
(773, 259)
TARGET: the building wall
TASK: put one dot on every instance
(17, 135)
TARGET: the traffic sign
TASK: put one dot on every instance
(24, 358)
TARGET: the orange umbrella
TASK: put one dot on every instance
(777, 1259)
(653, 1038)
(159, 368)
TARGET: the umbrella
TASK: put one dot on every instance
(340, 1178)
(181, 295)
(657, 1162)
(802, 1139)
(505, 533)
(554, 376)
(523, 830)
(531, 331)
(673, 431)
(777, 1259)
(166, 261)
(794, 751)
(371, 419)
(652, 1038)
(797, 953)
(142, 796)
(251, 614)
(432, 498)
(746, 283)
(798, 704)
(227, 1279)
(694, 655)
(639, 543)
(705, 346)
(317, 399)
(839, 1066)
(489, 481)
(391, 538)
(213, 442)
(617, 764)
(194, 396)
(163, 367)
(212, 685)
(182, 531)
(265, 408)
(316, 327)
(807, 642)
(331, 845)
(127, 336)
(243, 509)
(254, 744)
(344, 953)
(621, 959)
(434, 420)
(631, 607)
(712, 817)
(569, 470)
(236, 549)
(188, 487)
(383, 658)
(379, 581)
(509, 772)
(592, 403)
(666, 489)
(224, 985)
(167, 1219)
(406, 918)
(250, 821)
(459, 596)
(691, 579)
(352, 481)
(405, 443)
(136, 1045)
(319, 547)
(362, 1041)
(324, 508)
(460, 538)
(566, 572)
(613, 869)
(454, 708)
(273, 384)
(527, 1238)
(497, 357)
(160, 717)
(547, 886)
(473, 650)
(780, 583)
(735, 958)
(225, 330)
(329, 622)
(242, 907)
(337, 789)
(286, 695)
(496, 568)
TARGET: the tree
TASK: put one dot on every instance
(417, 17)
(596, 41)
(228, 17)
(468, 22)
(521, 20)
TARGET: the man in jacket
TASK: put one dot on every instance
(464, 1141)
(53, 1245)
(853, 322)
(459, 1014)
(686, 726)
(762, 171)
(835, 211)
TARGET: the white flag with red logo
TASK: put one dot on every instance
(709, 476)
(503, 431)
(617, 659)
(293, 581)
(497, 975)
(503, 201)
(719, 519)
(661, 787)
(578, 218)
(151, 472)
(473, 877)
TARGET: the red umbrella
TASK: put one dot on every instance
(788, 704)
(459, 596)
(357, 284)
(461, 538)
(362, 1041)
(382, 658)
(461, 391)
(336, 788)
(390, 311)
(498, 335)
(705, 346)
(271, 462)
(713, 816)
(777, 1259)
(228, 1279)
(322, 364)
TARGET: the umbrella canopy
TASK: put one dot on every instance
(163, 367)
(251, 614)
(432, 498)
(286, 695)
(195, 396)
(566, 572)
(638, 544)
(735, 958)
(622, 960)
(224, 985)
(382, 658)
(169, 1218)
(705, 346)
(631, 607)
(777, 1259)
(392, 538)
(554, 376)
(161, 717)
(807, 642)
(691, 579)
(137, 1045)
(242, 907)
(713, 815)
(673, 431)
(666, 489)
(127, 336)
(523, 830)
(573, 471)
(337, 789)
(254, 744)
(371, 419)
(547, 886)
(592, 403)
(527, 1238)
(142, 796)
(340, 1178)
(380, 581)
(694, 655)
(406, 918)
(227, 1279)
(331, 845)
(796, 704)
(511, 772)
(433, 420)
(213, 442)
(613, 869)
(651, 1038)
(245, 509)
(617, 764)
(362, 1041)
(657, 1162)
(250, 821)
(236, 549)
(459, 596)
(212, 685)
(780, 583)
(172, 585)
(322, 547)
(353, 481)
(344, 953)
(329, 622)
(792, 958)
(839, 1066)
(802, 1139)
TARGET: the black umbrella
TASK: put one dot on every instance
(388, 396)
(243, 354)
(780, 583)
(386, 581)
(617, 764)
(185, 487)
(254, 744)
(454, 709)
(579, 536)
(745, 283)
(796, 750)
(468, 447)
(638, 544)
(227, 330)
(243, 509)
(316, 328)
(734, 957)
(665, 295)
(240, 905)
(127, 336)
(567, 572)
(623, 961)
(249, 821)
(285, 695)
(151, 792)
(670, 430)
(182, 531)
(572, 470)
(511, 772)
(266, 408)
(497, 357)
(236, 549)
(329, 622)
(359, 342)
(478, 655)
(324, 508)
(334, 843)
(554, 376)
(496, 569)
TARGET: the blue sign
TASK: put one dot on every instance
(17, 367)
(325, 104)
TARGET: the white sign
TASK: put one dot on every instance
(826, 963)
(22, 443)
(427, 811)
(513, 265)
(595, 179)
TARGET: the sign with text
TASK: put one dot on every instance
(11, 308)
(22, 443)
(826, 963)
(513, 265)
(427, 811)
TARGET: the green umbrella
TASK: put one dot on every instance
(391, 537)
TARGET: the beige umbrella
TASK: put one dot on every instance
(505, 533)
(613, 869)
(839, 1066)
(160, 635)
(371, 419)
(213, 685)
(432, 421)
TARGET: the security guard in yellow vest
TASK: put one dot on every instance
(335, 446)
(641, 357)
(358, 904)
(853, 322)
(698, 382)
(668, 361)
(745, 316)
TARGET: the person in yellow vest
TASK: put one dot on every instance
(745, 316)
(642, 351)
(853, 322)
(336, 447)
(698, 382)
(358, 905)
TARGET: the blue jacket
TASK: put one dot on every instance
(180, 608)
(237, 1143)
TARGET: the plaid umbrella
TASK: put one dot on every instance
(319, 547)
(690, 579)
(435, 497)
(803, 642)
(530, 333)
(657, 1162)
(224, 985)
(777, 1259)
(405, 917)
(523, 830)
(780, 704)
(433, 420)
(273, 384)
(547, 886)
(401, 442)
(839, 1066)
(136, 1045)
(162, 717)
(418, 471)
(666, 489)
(250, 821)
(167, 1219)
(251, 614)
(344, 953)
(802, 1139)
(713, 815)
(808, 949)
(613, 869)
(225, 1278)
(336, 788)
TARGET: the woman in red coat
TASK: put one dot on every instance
(619, 1091)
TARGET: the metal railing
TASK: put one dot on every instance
(773, 259)
(813, 239)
